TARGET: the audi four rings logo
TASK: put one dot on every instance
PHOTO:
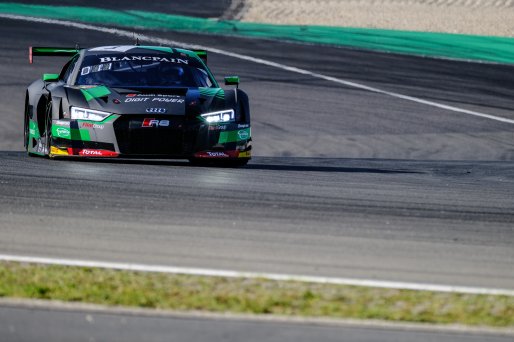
(156, 110)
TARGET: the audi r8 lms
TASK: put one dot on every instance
(136, 101)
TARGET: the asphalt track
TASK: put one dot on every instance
(196, 8)
(78, 325)
(346, 183)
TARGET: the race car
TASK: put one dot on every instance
(136, 101)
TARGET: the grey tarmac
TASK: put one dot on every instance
(39, 321)
(345, 183)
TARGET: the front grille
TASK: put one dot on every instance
(133, 138)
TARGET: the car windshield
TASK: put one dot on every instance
(142, 70)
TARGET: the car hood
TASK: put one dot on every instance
(143, 100)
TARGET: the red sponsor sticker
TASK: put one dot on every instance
(151, 122)
(89, 152)
(217, 154)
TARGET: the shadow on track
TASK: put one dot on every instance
(309, 168)
(258, 163)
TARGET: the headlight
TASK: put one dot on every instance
(88, 114)
(219, 117)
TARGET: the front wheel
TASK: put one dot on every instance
(48, 129)
(26, 130)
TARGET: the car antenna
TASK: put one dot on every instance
(77, 47)
(137, 39)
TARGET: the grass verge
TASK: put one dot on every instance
(257, 296)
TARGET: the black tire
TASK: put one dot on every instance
(26, 126)
(26, 129)
(26, 133)
(48, 127)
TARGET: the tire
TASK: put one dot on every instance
(26, 129)
(26, 133)
(48, 128)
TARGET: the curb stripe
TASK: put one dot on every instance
(130, 34)
(269, 276)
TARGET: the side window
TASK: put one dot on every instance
(201, 78)
(68, 69)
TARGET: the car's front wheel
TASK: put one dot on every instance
(48, 129)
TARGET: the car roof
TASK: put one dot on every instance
(123, 49)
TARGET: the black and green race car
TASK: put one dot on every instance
(136, 101)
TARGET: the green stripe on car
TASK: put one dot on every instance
(96, 92)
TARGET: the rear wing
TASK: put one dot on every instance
(202, 54)
(51, 51)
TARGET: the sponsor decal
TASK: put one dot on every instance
(116, 101)
(32, 131)
(151, 95)
(144, 58)
(62, 123)
(63, 132)
(95, 68)
(137, 99)
(243, 126)
(88, 152)
(167, 100)
(217, 154)
(92, 125)
(218, 128)
(154, 98)
(156, 110)
(155, 123)
(243, 135)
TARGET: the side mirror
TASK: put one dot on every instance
(50, 77)
(232, 80)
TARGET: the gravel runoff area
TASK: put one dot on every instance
(479, 17)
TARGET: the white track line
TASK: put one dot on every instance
(124, 33)
(270, 276)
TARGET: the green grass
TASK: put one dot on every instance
(256, 296)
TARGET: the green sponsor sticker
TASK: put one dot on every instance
(243, 134)
(72, 134)
(62, 132)
(234, 136)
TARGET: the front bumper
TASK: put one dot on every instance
(142, 136)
